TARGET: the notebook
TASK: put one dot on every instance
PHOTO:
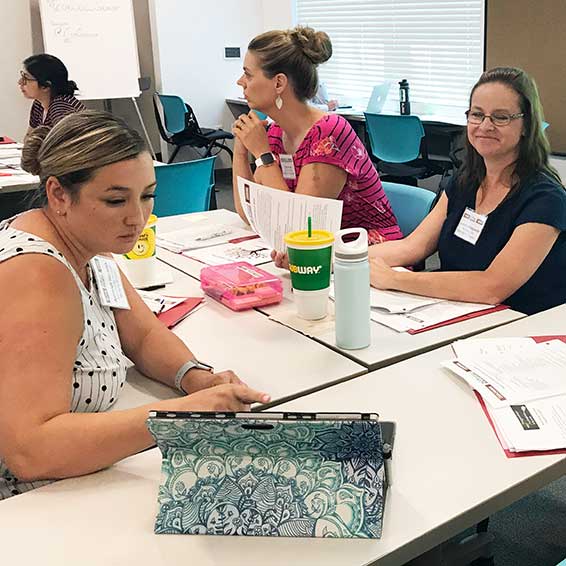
(272, 474)
(378, 97)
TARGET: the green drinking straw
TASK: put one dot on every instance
(309, 227)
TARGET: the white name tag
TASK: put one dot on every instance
(109, 283)
(470, 226)
(287, 166)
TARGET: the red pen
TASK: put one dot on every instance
(243, 239)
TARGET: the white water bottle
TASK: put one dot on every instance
(351, 290)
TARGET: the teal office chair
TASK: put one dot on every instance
(398, 144)
(184, 187)
(178, 125)
(410, 204)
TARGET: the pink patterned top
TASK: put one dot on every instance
(332, 140)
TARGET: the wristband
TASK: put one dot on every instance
(187, 366)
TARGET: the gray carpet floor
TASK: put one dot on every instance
(529, 532)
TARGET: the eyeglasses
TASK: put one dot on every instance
(24, 79)
(499, 119)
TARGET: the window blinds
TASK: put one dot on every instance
(437, 45)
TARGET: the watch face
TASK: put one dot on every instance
(267, 158)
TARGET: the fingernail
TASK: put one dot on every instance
(265, 398)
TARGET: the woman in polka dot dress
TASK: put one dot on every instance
(63, 353)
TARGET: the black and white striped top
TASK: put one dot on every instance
(59, 107)
(100, 365)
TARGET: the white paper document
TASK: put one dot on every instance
(255, 252)
(523, 385)
(537, 425)
(158, 303)
(15, 145)
(518, 375)
(10, 161)
(471, 348)
(394, 301)
(426, 316)
(7, 153)
(200, 234)
(272, 213)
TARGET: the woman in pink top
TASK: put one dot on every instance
(304, 150)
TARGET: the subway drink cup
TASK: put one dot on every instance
(310, 262)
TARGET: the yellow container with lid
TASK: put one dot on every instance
(145, 245)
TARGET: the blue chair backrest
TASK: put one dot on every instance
(174, 110)
(544, 125)
(184, 187)
(396, 139)
(410, 204)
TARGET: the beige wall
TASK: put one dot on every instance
(531, 34)
(15, 46)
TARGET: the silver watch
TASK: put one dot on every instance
(187, 366)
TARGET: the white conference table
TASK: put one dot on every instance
(387, 346)
(249, 344)
(448, 473)
(17, 180)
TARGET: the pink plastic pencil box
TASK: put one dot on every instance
(240, 285)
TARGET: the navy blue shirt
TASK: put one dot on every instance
(539, 199)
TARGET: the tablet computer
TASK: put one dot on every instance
(272, 473)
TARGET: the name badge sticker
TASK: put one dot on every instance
(109, 283)
(470, 226)
(287, 166)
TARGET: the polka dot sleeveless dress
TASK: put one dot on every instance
(100, 366)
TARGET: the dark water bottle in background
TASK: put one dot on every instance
(404, 104)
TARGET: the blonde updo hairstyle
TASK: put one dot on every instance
(296, 53)
(76, 147)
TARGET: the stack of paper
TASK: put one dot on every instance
(411, 313)
(10, 171)
(201, 234)
(272, 213)
(523, 386)
(254, 251)
(405, 312)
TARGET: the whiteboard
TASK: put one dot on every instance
(96, 39)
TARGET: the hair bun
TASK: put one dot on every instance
(32, 146)
(72, 87)
(316, 45)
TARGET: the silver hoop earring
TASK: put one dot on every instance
(279, 102)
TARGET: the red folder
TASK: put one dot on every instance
(6, 139)
(459, 319)
(508, 453)
(178, 313)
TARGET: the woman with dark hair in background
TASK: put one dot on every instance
(321, 154)
(500, 227)
(45, 80)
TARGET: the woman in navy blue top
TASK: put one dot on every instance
(500, 226)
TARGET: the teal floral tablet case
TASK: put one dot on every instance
(285, 478)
